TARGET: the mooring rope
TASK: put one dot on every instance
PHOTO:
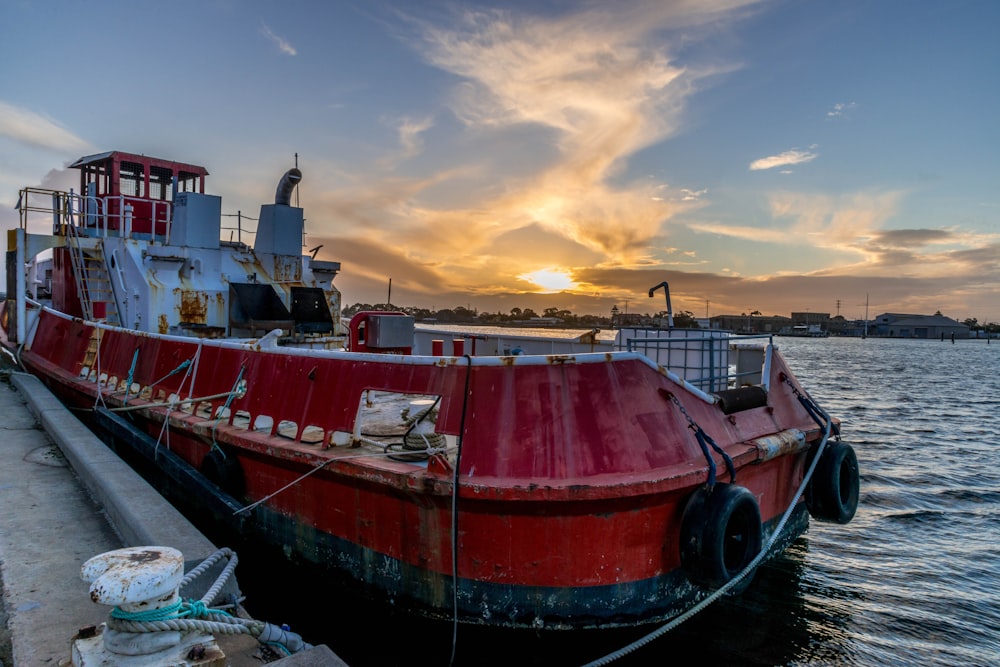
(165, 427)
(237, 390)
(323, 464)
(99, 398)
(197, 616)
(454, 512)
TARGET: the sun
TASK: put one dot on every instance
(550, 280)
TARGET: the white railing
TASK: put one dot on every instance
(92, 216)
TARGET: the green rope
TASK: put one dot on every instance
(184, 364)
(180, 609)
(131, 371)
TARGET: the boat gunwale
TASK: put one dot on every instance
(406, 476)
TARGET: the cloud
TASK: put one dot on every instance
(283, 45)
(911, 238)
(783, 159)
(547, 111)
(409, 131)
(37, 130)
(600, 87)
(841, 109)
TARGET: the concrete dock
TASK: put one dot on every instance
(66, 497)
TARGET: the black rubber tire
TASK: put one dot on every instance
(225, 471)
(835, 487)
(720, 536)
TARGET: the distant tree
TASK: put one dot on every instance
(685, 319)
(463, 314)
(357, 308)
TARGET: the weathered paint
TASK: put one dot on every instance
(194, 307)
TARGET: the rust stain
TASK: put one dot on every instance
(194, 307)
(561, 358)
(162, 326)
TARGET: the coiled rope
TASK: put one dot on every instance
(826, 423)
(418, 445)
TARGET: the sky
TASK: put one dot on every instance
(771, 156)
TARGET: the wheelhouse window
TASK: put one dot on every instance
(161, 184)
(132, 180)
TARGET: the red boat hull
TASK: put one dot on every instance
(572, 475)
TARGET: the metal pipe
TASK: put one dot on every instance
(288, 182)
(670, 312)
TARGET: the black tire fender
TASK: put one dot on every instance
(720, 535)
(834, 489)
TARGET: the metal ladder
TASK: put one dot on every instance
(93, 283)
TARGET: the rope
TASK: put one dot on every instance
(182, 366)
(454, 512)
(164, 404)
(99, 398)
(188, 365)
(317, 468)
(827, 429)
(254, 504)
(131, 373)
(421, 445)
(218, 416)
(196, 615)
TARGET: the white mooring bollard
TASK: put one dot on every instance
(141, 582)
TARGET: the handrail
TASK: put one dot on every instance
(91, 214)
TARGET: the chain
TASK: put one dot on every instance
(704, 441)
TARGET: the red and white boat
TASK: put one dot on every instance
(575, 484)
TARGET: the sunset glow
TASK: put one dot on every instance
(550, 280)
(567, 155)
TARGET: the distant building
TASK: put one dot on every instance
(751, 323)
(904, 325)
(808, 318)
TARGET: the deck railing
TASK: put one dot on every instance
(92, 216)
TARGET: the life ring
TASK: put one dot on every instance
(834, 489)
(720, 535)
(224, 471)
